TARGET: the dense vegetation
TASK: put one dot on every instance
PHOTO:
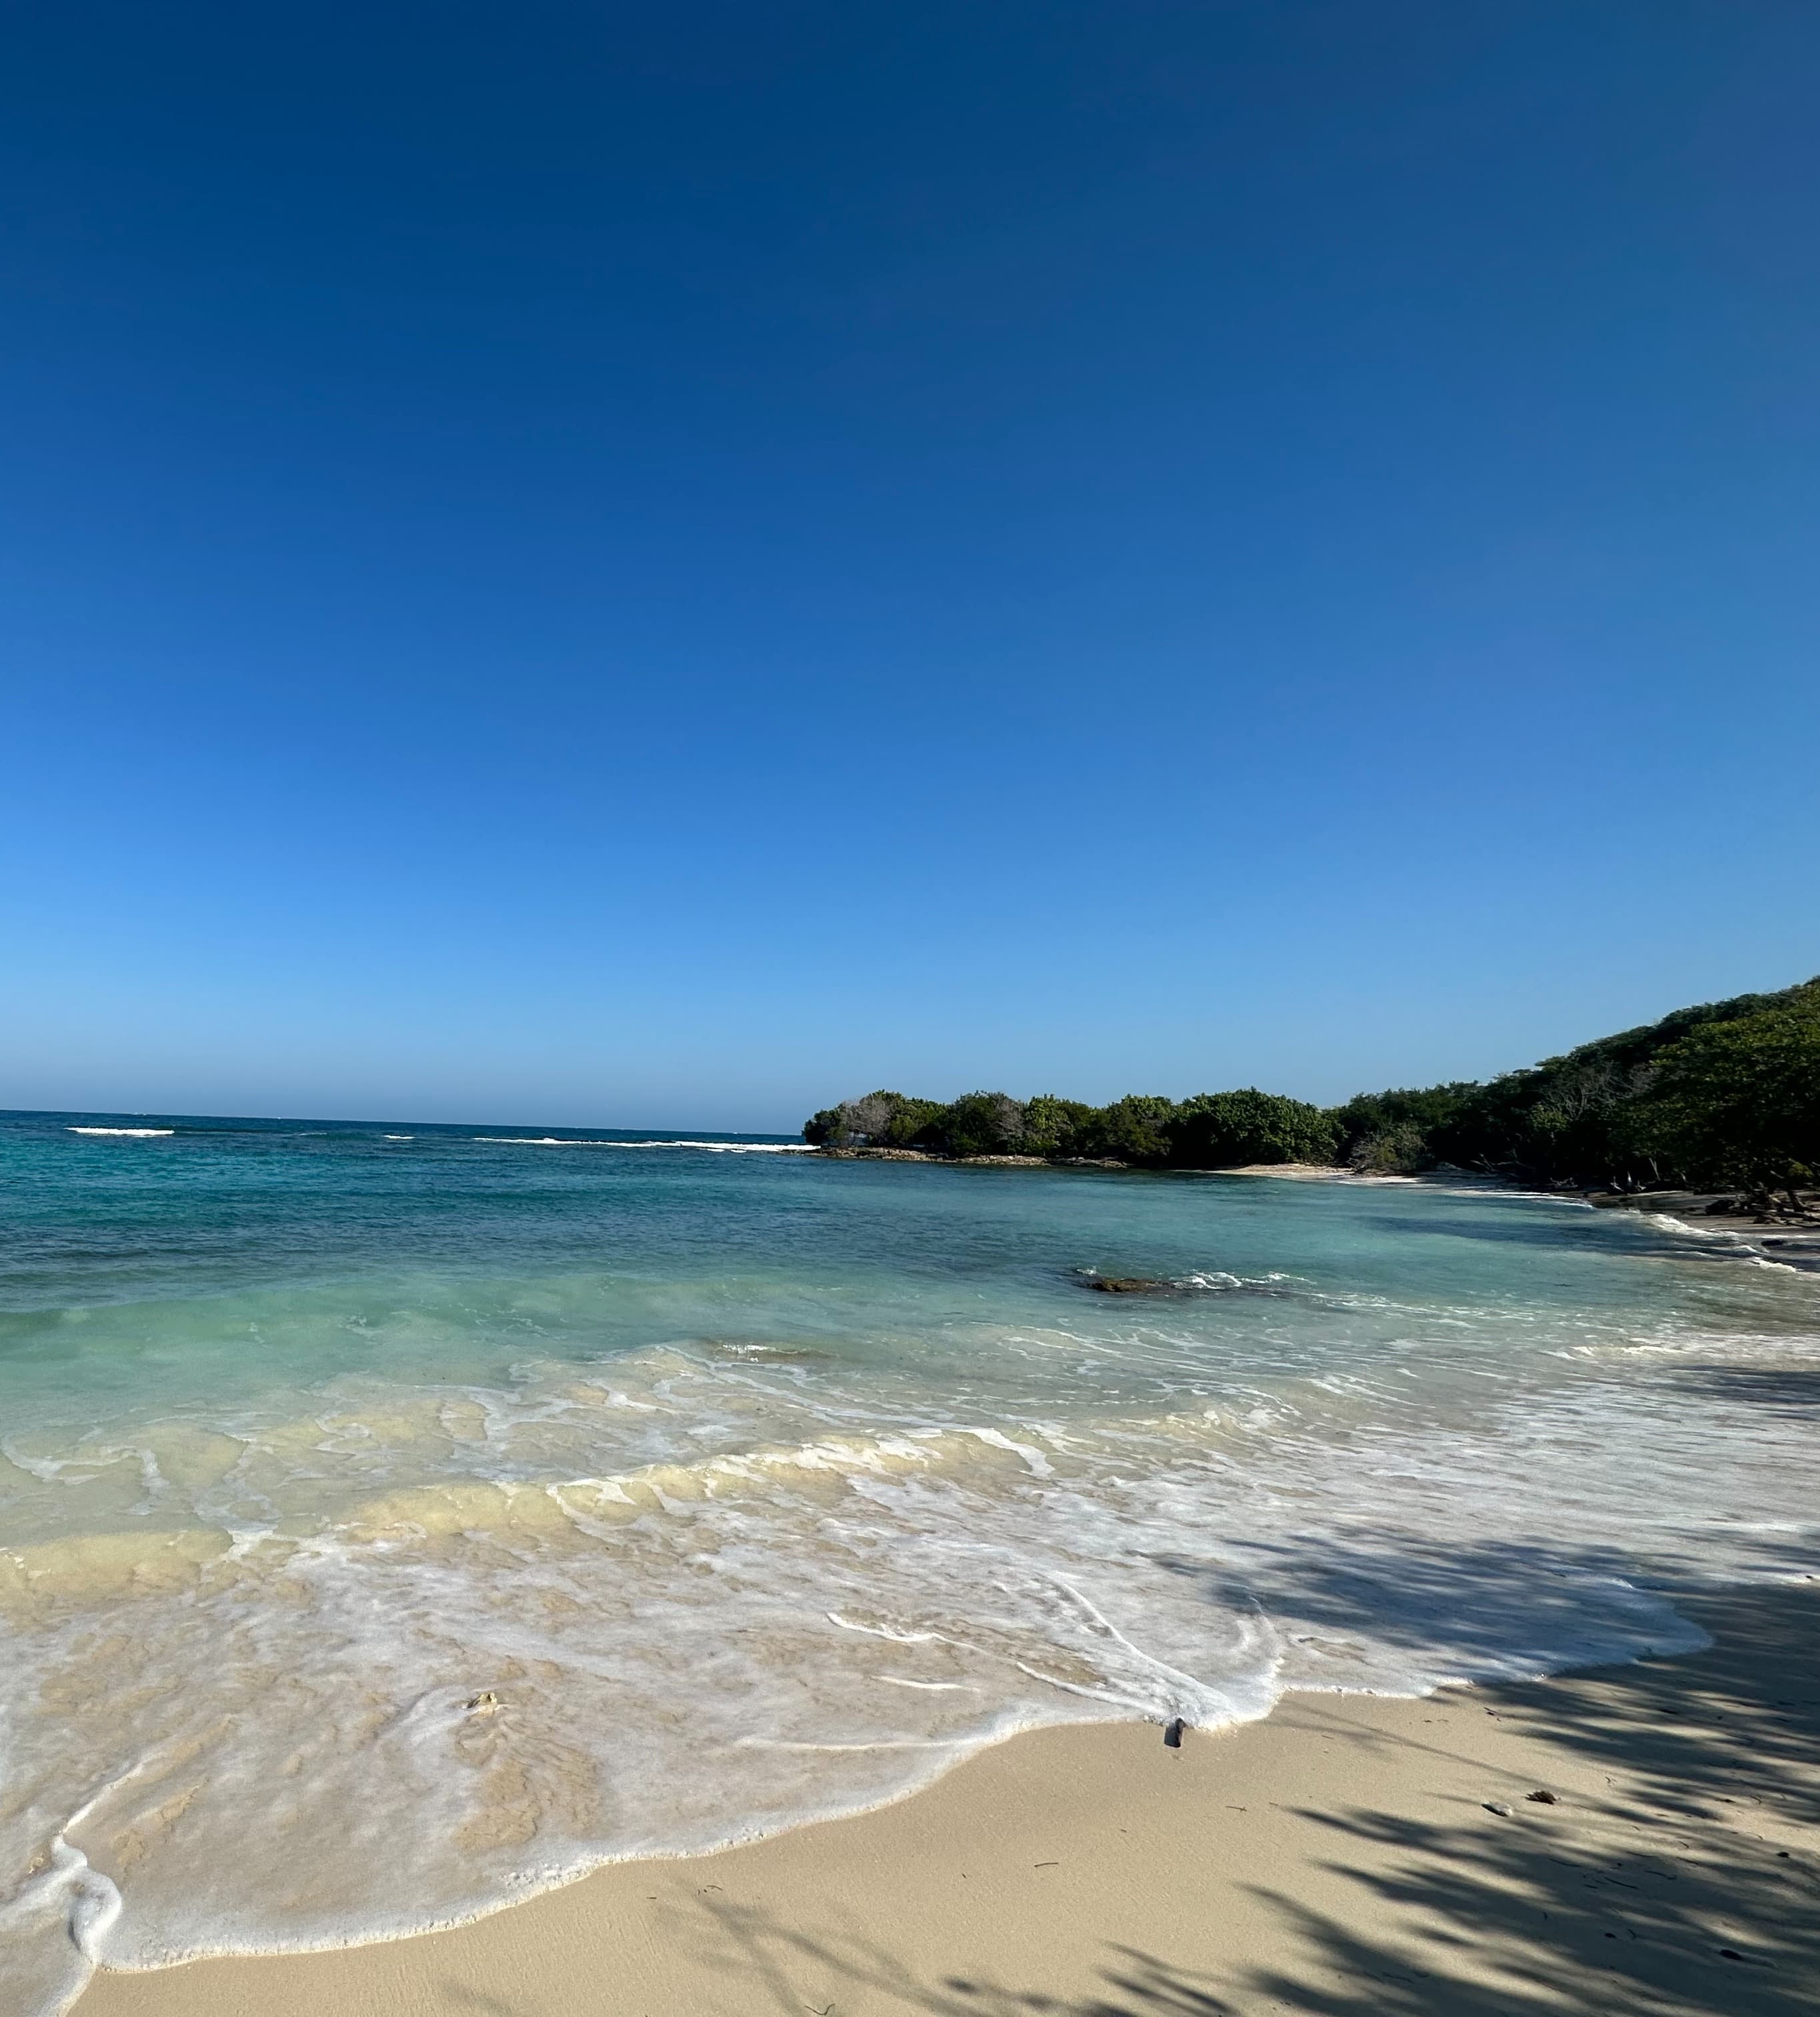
(1726, 1095)
(1209, 1132)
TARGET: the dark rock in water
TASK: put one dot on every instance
(1171, 1734)
(1128, 1285)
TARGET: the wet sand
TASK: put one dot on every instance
(1343, 1857)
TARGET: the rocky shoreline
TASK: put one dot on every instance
(971, 1162)
(1727, 1208)
(1774, 1233)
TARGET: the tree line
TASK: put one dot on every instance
(1724, 1096)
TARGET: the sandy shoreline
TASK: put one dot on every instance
(1338, 1857)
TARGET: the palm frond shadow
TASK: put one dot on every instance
(1689, 1887)
(786, 1964)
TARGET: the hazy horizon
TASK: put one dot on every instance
(791, 1125)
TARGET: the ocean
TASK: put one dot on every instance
(396, 1520)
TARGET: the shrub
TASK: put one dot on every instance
(1134, 1129)
(1225, 1130)
(1399, 1150)
(1052, 1126)
(980, 1124)
(878, 1120)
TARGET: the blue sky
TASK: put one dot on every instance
(642, 565)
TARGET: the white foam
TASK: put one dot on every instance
(674, 1570)
(879, 1744)
(137, 1132)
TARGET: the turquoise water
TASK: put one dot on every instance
(395, 1519)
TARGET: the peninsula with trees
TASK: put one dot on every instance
(1723, 1097)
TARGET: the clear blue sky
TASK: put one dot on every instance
(666, 565)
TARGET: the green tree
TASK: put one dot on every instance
(1574, 1119)
(1134, 1129)
(1052, 1125)
(981, 1123)
(910, 1122)
(1404, 1113)
(877, 1120)
(1400, 1149)
(1738, 1102)
(1225, 1130)
(1724, 1092)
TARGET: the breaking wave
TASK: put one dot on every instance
(721, 1148)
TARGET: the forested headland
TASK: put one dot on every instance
(1725, 1096)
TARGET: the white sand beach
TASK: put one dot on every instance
(1351, 1856)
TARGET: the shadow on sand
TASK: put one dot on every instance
(1690, 1886)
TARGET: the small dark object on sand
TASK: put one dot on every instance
(1544, 1799)
(1171, 1734)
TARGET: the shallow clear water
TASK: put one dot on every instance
(395, 1519)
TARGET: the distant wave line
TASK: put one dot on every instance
(720, 1148)
(123, 1130)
